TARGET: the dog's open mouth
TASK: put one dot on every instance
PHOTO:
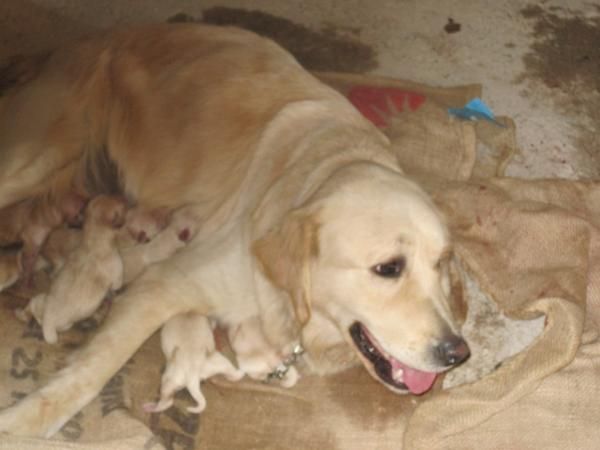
(390, 371)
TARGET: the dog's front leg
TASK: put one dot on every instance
(160, 293)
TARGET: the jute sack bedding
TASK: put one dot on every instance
(532, 246)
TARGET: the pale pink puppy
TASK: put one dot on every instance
(188, 344)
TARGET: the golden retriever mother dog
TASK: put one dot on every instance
(306, 221)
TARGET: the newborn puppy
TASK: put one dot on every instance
(90, 272)
(189, 346)
(181, 229)
(136, 256)
(30, 222)
(140, 226)
(255, 356)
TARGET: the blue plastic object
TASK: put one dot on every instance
(475, 109)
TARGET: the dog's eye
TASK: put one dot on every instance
(391, 269)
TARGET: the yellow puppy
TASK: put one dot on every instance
(90, 272)
(30, 222)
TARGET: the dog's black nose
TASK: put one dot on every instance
(452, 351)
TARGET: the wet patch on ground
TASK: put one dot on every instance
(327, 49)
(565, 57)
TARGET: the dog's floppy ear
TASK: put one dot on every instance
(285, 254)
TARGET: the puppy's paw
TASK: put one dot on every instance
(156, 407)
(196, 409)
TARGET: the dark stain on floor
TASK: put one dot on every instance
(329, 49)
(452, 26)
(565, 56)
(566, 48)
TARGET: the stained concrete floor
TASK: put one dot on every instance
(539, 63)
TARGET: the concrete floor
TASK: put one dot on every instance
(538, 64)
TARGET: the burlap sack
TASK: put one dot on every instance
(532, 247)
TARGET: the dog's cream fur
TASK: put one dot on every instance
(299, 196)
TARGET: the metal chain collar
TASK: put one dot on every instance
(282, 369)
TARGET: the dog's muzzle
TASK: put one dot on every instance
(398, 376)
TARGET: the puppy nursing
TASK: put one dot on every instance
(188, 344)
(89, 264)
(91, 271)
(30, 221)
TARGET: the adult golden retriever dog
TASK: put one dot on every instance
(307, 223)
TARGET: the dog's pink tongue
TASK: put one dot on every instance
(416, 381)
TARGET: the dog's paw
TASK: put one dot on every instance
(28, 417)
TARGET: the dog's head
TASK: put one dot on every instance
(369, 251)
